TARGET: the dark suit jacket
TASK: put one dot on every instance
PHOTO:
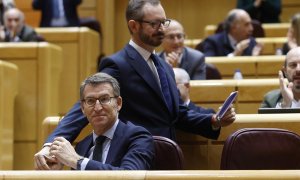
(193, 62)
(70, 7)
(132, 148)
(143, 102)
(268, 12)
(271, 99)
(200, 109)
(219, 45)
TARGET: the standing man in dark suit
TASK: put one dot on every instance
(183, 84)
(123, 145)
(235, 40)
(148, 87)
(57, 13)
(177, 55)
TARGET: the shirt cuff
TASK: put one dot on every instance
(84, 163)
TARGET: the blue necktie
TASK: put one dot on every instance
(55, 8)
(97, 153)
(163, 81)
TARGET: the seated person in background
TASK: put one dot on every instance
(119, 145)
(177, 55)
(4, 6)
(293, 35)
(235, 40)
(15, 29)
(289, 95)
(58, 13)
(183, 84)
(265, 11)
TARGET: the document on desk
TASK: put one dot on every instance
(227, 104)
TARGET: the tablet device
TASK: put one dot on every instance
(227, 104)
(278, 111)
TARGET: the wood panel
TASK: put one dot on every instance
(212, 93)
(39, 71)
(80, 48)
(250, 66)
(8, 91)
(154, 175)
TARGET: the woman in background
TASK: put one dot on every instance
(293, 35)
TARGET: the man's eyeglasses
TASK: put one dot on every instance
(102, 100)
(156, 24)
(179, 36)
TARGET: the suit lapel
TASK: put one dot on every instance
(185, 62)
(226, 44)
(142, 68)
(85, 146)
(115, 144)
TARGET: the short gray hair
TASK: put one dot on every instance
(181, 75)
(100, 78)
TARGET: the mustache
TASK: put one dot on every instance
(159, 33)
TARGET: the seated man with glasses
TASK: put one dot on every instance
(177, 55)
(113, 144)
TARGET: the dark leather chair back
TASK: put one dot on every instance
(261, 148)
(212, 72)
(168, 155)
(258, 30)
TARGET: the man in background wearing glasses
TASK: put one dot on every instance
(177, 55)
(113, 144)
(148, 88)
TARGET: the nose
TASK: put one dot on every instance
(97, 106)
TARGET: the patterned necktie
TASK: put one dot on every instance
(97, 153)
(163, 81)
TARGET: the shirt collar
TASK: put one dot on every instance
(143, 52)
(232, 41)
(109, 133)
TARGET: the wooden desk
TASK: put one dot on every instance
(39, 73)
(250, 66)
(80, 50)
(154, 175)
(212, 93)
(8, 92)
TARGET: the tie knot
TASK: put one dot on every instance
(154, 59)
(100, 139)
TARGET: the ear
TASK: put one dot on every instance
(82, 107)
(283, 69)
(133, 26)
(187, 85)
(119, 103)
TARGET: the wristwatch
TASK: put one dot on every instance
(79, 161)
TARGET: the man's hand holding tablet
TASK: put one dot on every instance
(226, 114)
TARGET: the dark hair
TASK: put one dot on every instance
(229, 21)
(134, 9)
(100, 78)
